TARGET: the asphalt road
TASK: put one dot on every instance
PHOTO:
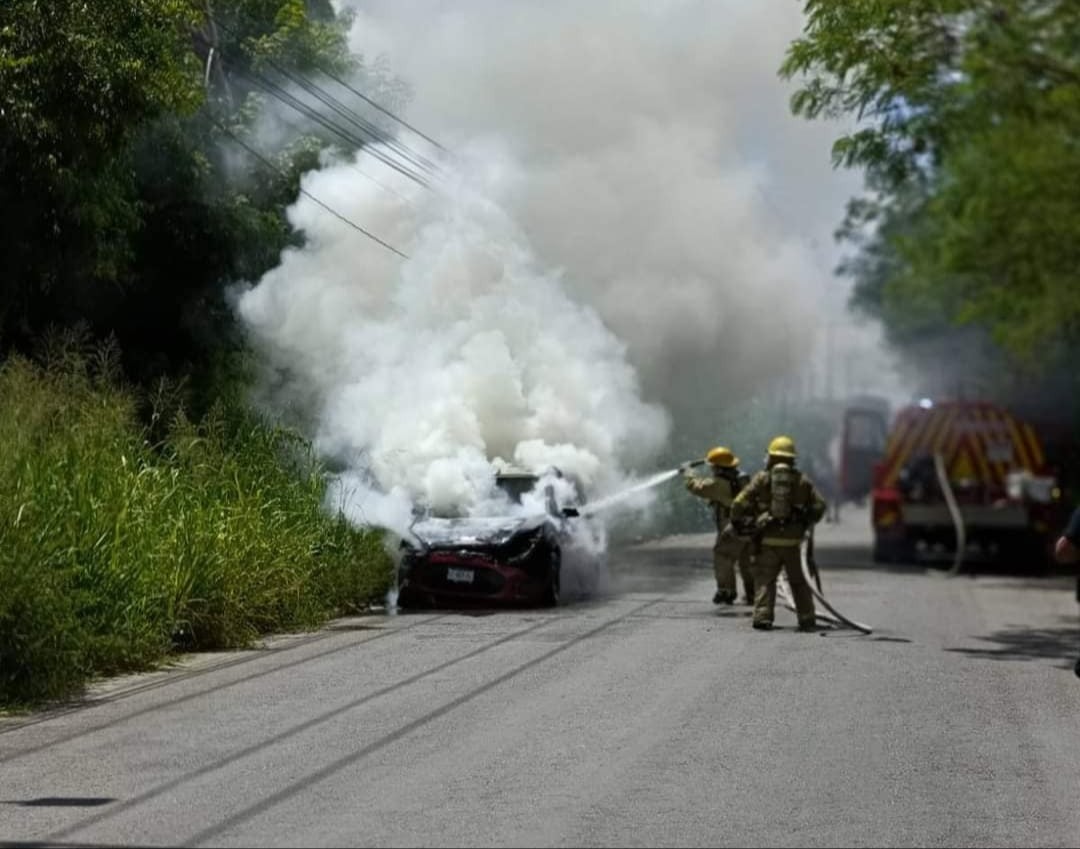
(646, 718)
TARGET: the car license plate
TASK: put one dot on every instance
(460, 576)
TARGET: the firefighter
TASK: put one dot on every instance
(776, 509)
(1067, 547)
(720, 490)
(1067, 551)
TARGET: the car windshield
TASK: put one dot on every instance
(516, 486)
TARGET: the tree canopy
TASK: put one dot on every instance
(967, 126)
(123, 205)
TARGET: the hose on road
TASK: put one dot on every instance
(833, 616)
(783, 593)
(954, 511)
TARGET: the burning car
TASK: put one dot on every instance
(508, 559)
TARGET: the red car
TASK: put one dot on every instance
(512, 560)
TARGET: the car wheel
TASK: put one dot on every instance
(552, 591)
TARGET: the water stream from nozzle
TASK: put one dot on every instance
(610, 500)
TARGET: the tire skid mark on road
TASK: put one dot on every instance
(172, 784)
(197, 673)
(352, 758)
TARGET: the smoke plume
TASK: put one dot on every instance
(424, 370)
(631, 223)
(661, 168)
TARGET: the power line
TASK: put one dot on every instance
(390, 144)
(384, 186)
(307, 111)
(332, 76)
(357, 120)
(266, 161)
(366, 127)
(385, 111)
(334, 103)
(262, 81)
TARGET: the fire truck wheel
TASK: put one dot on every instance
(1028, 554)
(893, 551)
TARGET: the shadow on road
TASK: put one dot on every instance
(855, 558)
(60, 802)
(742, 612)
(663, 569)
(1060, 644)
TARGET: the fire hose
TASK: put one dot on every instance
(954, 511)
(812, 576)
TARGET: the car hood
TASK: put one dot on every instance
(436, 533)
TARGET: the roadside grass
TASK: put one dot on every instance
(115, 550)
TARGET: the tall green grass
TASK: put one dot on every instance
(115, 549)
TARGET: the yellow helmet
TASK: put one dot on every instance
(782, 446)
(722, 457)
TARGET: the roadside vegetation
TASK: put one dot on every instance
(121, 542)
(147, 159)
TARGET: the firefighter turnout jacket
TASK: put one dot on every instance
(778, 506)
(720, 491)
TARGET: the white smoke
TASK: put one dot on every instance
(660, 166)
(635, 223)
(423, 371)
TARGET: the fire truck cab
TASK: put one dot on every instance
(993, 464)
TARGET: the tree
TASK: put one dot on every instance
(211, 213)
(969, 124)
(75, 89)
(128, 203)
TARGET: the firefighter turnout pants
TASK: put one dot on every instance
(728, 552)
(766, 567)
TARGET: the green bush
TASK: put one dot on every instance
(114, 551)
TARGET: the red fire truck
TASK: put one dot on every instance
(991, 462)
